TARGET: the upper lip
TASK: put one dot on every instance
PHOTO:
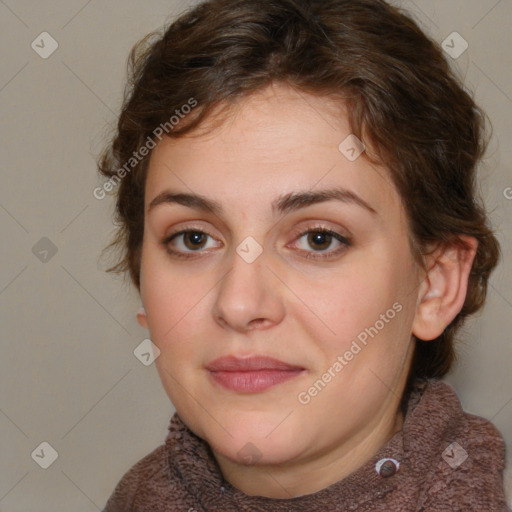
(253, 363)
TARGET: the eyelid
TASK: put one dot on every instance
(189, 227)
(301, 231)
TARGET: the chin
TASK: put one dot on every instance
(255, 453)
(254, 439)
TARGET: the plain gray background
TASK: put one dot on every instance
(69, 376)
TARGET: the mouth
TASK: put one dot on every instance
(251, 375)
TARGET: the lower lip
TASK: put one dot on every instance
(253, 381)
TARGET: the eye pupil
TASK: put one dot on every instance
(195, 237)
(319, 238)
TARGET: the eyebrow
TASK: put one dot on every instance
(283, 204)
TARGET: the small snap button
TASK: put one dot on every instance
(387, 467)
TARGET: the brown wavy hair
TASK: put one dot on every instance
(404, 101)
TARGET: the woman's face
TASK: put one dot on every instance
(256, 278)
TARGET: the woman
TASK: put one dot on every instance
(298, 212)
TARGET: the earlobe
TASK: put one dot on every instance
(442, 293)
(141, 318)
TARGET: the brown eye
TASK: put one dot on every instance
(320, 240)
(186, 242)
(194, 239)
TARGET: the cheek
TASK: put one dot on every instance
(366, 314)
(169, 298)
(348, 302)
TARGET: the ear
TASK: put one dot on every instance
(443, 291)
(141, 318)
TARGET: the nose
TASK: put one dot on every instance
(249, 296)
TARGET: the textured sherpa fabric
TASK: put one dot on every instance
(182, 474)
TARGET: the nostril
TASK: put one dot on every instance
(257, 322)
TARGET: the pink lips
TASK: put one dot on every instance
(251, 375)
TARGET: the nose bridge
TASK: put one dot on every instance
(245, 295)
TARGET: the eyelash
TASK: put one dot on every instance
(345, 241)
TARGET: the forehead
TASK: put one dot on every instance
(269, 144)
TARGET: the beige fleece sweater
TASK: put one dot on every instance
(443, 460)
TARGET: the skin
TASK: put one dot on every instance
(302, 311)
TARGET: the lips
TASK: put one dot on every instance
(235, 364)
(253, 374)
